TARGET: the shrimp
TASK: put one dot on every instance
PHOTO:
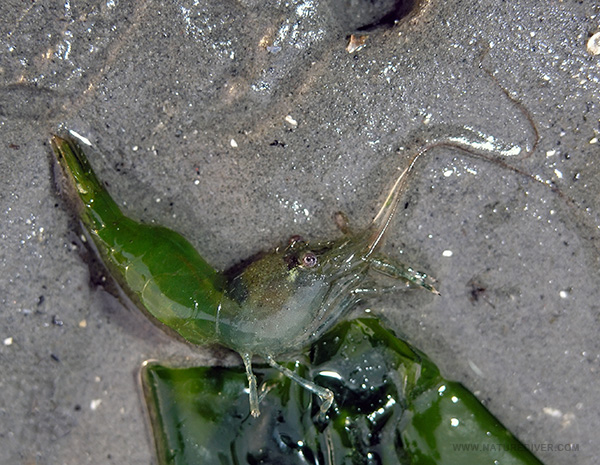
(271, 306)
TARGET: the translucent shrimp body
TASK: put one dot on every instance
(274, 305)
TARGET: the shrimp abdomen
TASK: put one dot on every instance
(155, 266)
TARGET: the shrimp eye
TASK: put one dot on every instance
(309, 259)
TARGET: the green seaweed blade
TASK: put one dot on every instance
(392, 407)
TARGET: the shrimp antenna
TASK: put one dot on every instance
(470, 141)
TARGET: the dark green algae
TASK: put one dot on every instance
(391, 406)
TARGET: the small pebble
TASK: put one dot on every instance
(95, 403)
(593, 44)
(291, 121)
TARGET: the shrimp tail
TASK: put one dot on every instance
(96, 206)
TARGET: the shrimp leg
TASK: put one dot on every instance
(324, 394)
(253, 391)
